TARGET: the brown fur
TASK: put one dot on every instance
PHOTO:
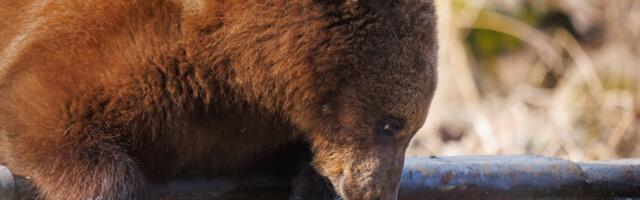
(98, 98)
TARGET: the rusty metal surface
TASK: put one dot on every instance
(615, 178)
(472, 177)
(508, 177)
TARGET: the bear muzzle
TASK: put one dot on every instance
(369, 180)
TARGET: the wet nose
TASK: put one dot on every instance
(392, 196)
(383, 196)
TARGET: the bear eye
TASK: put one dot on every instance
(389, 126)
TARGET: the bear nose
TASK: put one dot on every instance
(392, 196)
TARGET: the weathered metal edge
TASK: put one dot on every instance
(466, 177)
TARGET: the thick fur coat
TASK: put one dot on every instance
(100, 98)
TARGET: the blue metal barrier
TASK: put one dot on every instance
(467, 177)
(507, 177)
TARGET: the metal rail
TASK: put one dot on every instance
(472, 177)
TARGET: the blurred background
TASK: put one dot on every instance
(550, 77)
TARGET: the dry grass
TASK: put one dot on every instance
(556, 95)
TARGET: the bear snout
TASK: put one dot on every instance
(376, 185)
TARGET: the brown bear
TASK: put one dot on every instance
(100, 98)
